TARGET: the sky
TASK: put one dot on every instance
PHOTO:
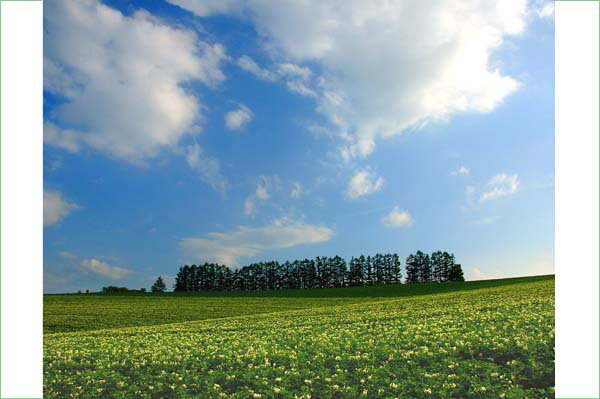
(184, 131)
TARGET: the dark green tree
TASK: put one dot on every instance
(424, 263)
(456, 273)
(412, 269)
(438, 267)
(159, 285)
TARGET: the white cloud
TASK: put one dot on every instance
(301, 88)
(397, 218)
(293, 70)
(364, 182)
(238, 118)
(543, 9)
(462, 171)
(208, 168)
(250, 206)
(104, 270)
(123, 79)
(227, 248)
(67, 139)
(385, 67)
(501, 185)
(248, 65)
(296, 192)
(56, 208)
(264, 187)
(295, 76)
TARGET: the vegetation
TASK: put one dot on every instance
(486, 343)
(159, 285)
(322, 272)
(111, 289)
(73, 312)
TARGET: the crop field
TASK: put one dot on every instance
(66, 313)
(78, 312)
(495, 342)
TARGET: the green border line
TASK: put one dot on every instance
(1, 1)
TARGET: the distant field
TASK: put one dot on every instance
(78, 312)
(494, 342)
(64, 313)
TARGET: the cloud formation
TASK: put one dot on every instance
(462, 171)
(397, 218)
(296, 192)
(208, 168)
(234, 120)
(104, 270)
(264, 187)
(249, 65)
(501, 185)
(122, 79)
(227, 248)
(56, 208)
(364, 182)
(543, 9)
(384, 66)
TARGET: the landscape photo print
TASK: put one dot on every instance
(298, 199)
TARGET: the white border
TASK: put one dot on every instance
(576, 200)
(22, 194)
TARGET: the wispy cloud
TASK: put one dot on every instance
(56, 208)
(208, 168)
(236, 119)
(104, 269)
(397, 218)
(227, 248)
(501, 185)
(248, 65)
(543, 8)
(462, 171)
(264, 188)
(364, 182)
(296, 192)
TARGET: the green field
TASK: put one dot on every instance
(77, 312)
(491, 339)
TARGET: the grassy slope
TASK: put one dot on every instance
(67, 313)
(73, 312)
(474, 344)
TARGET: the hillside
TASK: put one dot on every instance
(80, 312)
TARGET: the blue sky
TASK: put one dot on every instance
(238, 131)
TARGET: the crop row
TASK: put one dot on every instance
(493, 343)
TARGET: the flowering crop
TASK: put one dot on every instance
(490, 343)
(68, 313)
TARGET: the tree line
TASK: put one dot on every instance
(321, 272)
(439, 267)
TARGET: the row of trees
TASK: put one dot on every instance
(111, 289)
(439, 267)
(321, 272)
